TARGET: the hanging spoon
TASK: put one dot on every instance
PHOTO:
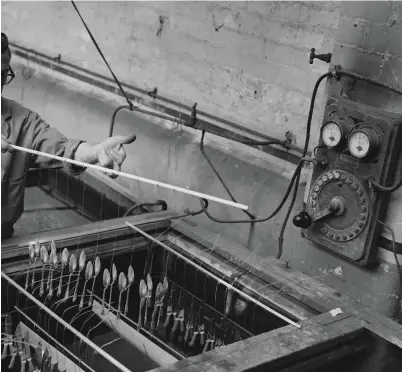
(72, 268)
(158, 295)
(31, 258)
(88, 276)
(143, 294)
(114, 278)
(54, 252)
(64, 260)
(44, 257)
(165, 288)
(240, 307)
(54, 260)
(37, 255)
(8, 340)
(82, 262)
(122, 288)
(106, 283)
(148, 303)
(150, 286)
(39, 353)
(97, 271)
(130, 278)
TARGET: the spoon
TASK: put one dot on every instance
(150, 286)
(31, 250)
(148, 304)
(228, 302)
(72, 268)
(240, 307)
(44, 257)
(122, 288)
(143, 293)
(37, 254)
(55, 260)
(83, 259)
(88, 276)
(106, 283)
(54, 251)
(165, 288)
(130, 278)
(114, 277)
(64, 260)
(97, 271)
(158, 295)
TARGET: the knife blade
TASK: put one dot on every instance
(45, 359)
(20, 348)
(14, 353)
(28, 352)
(39, 355)
(13, 356)
(8, 326)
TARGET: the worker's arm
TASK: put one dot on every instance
(50, 140)
(109, 153)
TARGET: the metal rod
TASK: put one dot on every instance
(53, 339)
(136, 178)
(67, 325)
(219, 280)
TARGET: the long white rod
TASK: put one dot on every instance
(136, 178)
(219, 280)
(67, 325)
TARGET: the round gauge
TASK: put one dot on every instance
(331, 134)
(362, 142)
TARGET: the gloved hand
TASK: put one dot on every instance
(109, 153)
(5, 144)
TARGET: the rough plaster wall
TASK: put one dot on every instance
(169, 63)
(369, 42)
(243, 61)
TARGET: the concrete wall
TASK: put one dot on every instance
(242, 61)
(369, 42)
(261, 47)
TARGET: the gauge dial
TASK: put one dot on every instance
(331, 134)
(359, 144)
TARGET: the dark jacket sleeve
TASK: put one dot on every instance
(50, 140)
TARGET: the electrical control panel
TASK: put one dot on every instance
(357, 143)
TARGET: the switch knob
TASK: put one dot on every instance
(302, 220)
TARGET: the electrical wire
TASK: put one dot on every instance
(260, 219)
(130, 210)
(296, 174)
(368, 80)
(193, 213)
(305, 149)
(398, 264)
(101, 54)
(217, 173)
(382, 188)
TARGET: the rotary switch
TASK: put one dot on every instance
(337, 205)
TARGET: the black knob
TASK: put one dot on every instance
(302, 220)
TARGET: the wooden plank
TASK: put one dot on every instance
(266, 294)
(88, 232)
(270, 350)
(298, 285)
(136, 339)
